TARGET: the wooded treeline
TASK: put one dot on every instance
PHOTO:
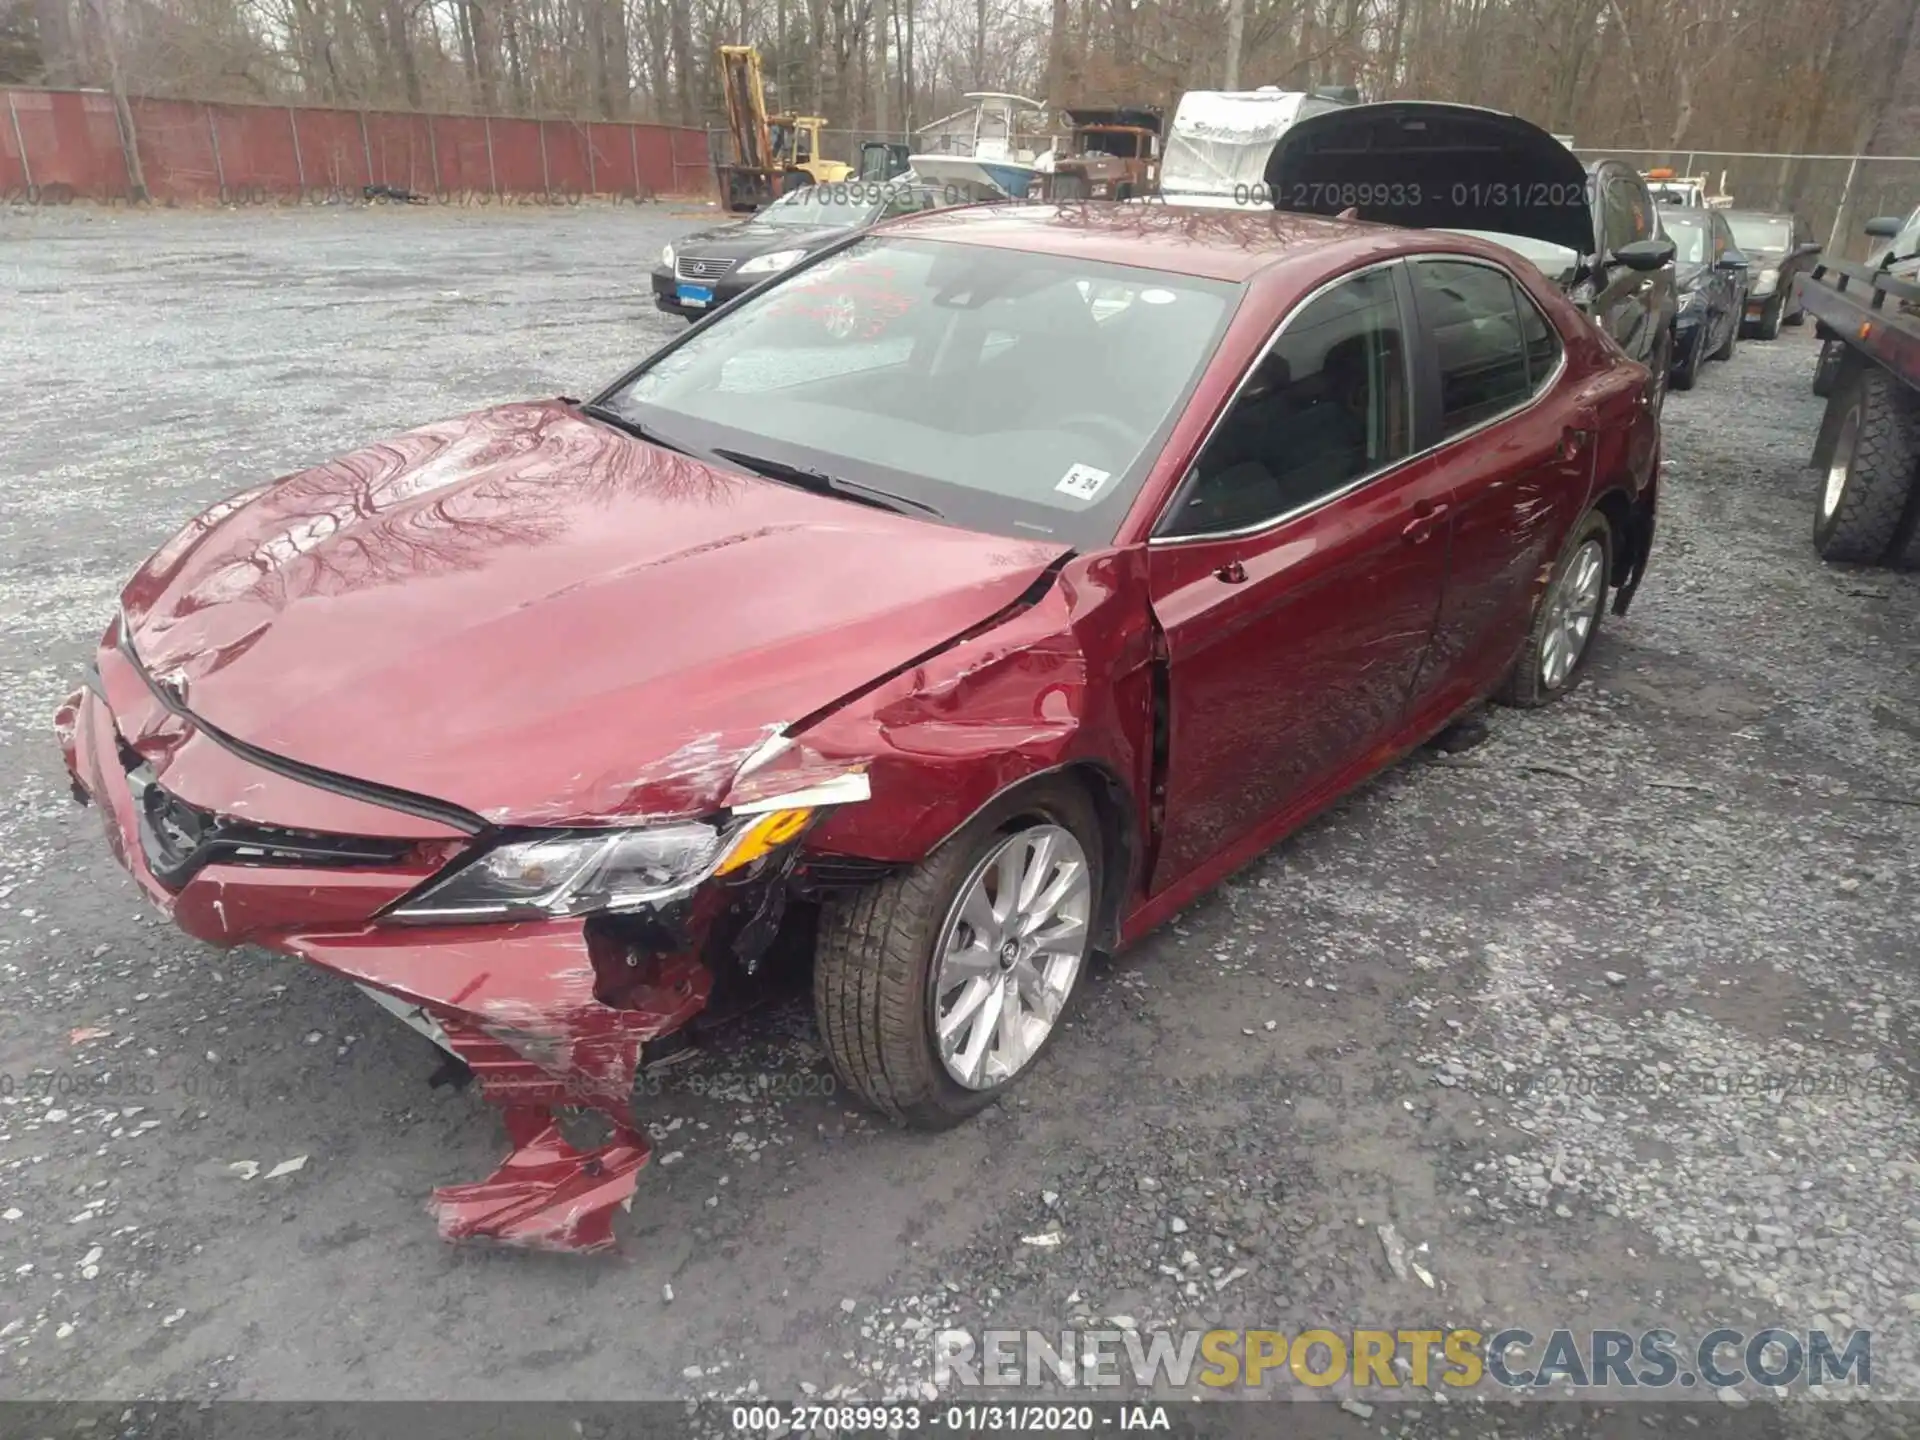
(1791, 75)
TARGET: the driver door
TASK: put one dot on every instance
(1297, 576)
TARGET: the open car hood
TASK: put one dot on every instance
(1428, 165)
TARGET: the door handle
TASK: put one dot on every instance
(1233, 572)
(1423, 524)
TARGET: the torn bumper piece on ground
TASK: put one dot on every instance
(547, 1014)
(521, 1010)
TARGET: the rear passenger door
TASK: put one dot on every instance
(1517, 452)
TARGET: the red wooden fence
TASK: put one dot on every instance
(64, 144)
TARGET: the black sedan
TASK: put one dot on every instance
(1712, 277)
(1779, 249)
(709, 267)
(1428, 164)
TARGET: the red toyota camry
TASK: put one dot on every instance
(971, 598)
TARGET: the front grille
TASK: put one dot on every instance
(689, 267)
(1069, 185)
(179, 839)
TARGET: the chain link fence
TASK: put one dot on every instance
(1836, 194)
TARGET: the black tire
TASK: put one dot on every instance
(873, 967)
(1524, 687)
(1123, 191)
(1771, 319)
(1662, 374)
(1725, 352)
(1798, 317)
(1870, 478)
(1687, 373)
(1827, 368)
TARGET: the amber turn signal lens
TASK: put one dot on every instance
(765, 835)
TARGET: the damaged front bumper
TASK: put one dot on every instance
(545, 1013)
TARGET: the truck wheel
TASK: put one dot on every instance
(1871, 473)
(1827, 368)
(937, 989)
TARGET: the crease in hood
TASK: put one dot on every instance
(546, 621)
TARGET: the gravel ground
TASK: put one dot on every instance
(1698, 875)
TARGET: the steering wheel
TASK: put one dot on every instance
(1102, 427)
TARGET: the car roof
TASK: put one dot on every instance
(1212, 244)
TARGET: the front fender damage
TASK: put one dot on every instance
(551, 1016)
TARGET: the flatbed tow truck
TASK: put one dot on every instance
(1868, 453)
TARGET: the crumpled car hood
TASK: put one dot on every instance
(543, 620)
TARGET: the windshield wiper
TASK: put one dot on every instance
(822, 483)
(607, 415)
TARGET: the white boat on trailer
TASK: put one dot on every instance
(994, 164)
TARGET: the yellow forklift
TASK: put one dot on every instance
(772, 154)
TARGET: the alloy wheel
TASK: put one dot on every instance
(1572, 609)
(1009, 953)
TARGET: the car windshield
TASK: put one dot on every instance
(1013, 392)
(817, 206)
(1689, 236)
(1761, 232)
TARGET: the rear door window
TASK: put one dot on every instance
(1493, 347)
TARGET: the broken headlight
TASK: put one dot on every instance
(580, 873)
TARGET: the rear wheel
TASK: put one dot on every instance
(1870, 475)
(937, 989)
(1771, 319)
(1566, 619)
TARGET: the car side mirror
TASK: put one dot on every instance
(1884, 227)
(1807, 247)
(1731, 260)
(1644, 255)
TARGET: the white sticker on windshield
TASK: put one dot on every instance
(1083, 482)
(1158, 297)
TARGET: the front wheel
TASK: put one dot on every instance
(937, 989)
(1725, 352)
(1687, 372)
(1771, 320)
(1566, 619)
